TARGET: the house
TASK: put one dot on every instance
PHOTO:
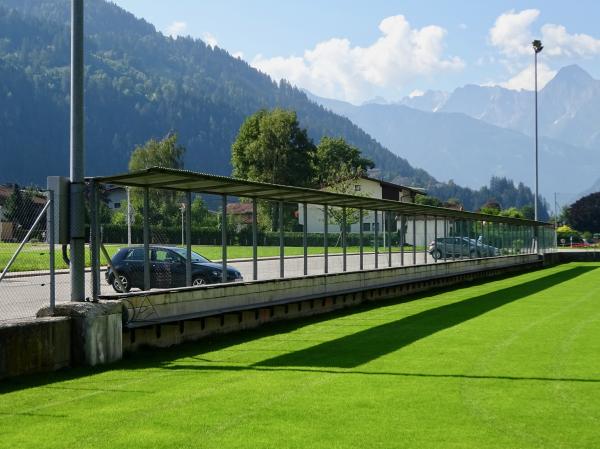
(363, 186)
(116, 197)
(240, 214)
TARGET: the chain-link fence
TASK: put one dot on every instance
(26, 281)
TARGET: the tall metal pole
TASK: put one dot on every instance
(537, 47)
(77, 166)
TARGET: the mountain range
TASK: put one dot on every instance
(141, 84)
(476, 130)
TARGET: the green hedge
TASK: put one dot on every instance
(112, 233)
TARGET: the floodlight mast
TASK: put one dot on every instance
(77, 187)
(537, 48)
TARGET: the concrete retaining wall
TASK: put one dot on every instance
(34, 346)
(168, 318)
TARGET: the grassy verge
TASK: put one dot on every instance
(36, 256)
(506, 364)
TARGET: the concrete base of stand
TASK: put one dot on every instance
(96, 331)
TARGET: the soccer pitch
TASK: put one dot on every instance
(512, 363)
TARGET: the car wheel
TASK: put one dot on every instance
(125, 283)
(437, 254)
(198, 281)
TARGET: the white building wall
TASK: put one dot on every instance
(368, 188)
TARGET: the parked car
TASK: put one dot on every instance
(167, 269)
(448, 247)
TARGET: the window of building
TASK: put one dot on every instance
(357, 187)
(117, 206)
(367, 227)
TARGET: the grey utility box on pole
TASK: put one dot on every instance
(60, 186)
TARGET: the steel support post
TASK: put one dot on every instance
(281, 242)
(414, 247)
(223, 238)
(129, 211)
(51, 251)
(402, 238)
(375, 242)
(146, 238)
(254, 239)
(361, 248)
(77, 153)
(188, 238)
(425, 238)
(305, 237)
(453, 240)
(325, 239)
(344, 252)
(389, 235)
(435, 233)
(445, 238)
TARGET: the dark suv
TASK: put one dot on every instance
(167, 269)
(460, 246)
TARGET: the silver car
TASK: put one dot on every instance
(448, 247)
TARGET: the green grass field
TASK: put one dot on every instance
(36, 256)
(513, 363)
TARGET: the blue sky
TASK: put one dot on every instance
(355, 51)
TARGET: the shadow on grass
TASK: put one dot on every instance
(152, 358)
(186, 366)
(353, 350)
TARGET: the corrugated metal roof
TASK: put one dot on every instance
(184, 180)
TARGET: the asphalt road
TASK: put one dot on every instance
(22, 296)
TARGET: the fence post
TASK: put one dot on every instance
(51, 251)
(94, 240)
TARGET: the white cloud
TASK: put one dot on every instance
(512, 35)
(336, 69)
(238, 54)
(558, 42)
(416, 93)
(511, 32)
(210, 40)
(524, 79)
(176, 28)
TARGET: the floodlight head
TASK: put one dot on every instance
(537, 46)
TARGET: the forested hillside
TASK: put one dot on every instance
(140, 84)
